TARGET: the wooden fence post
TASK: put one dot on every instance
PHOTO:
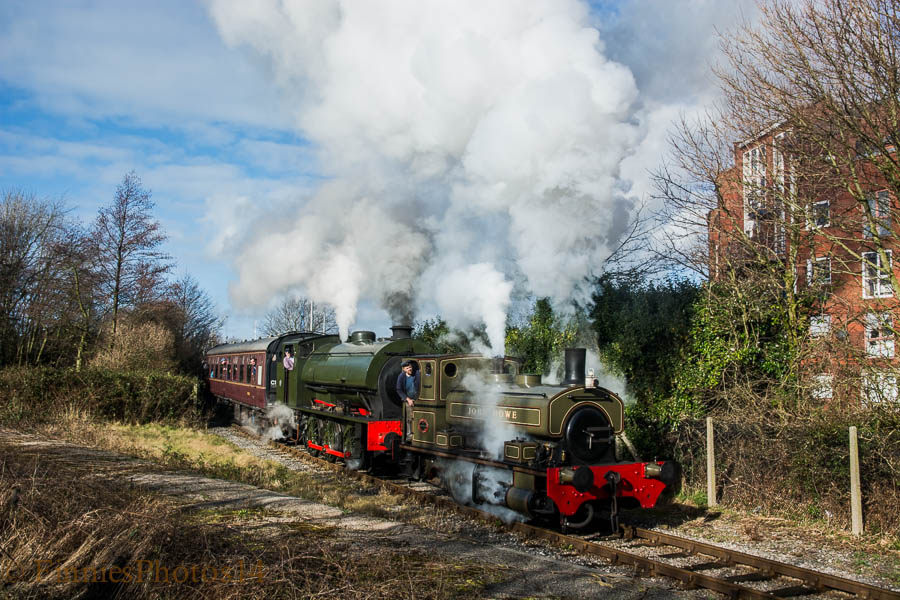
(710, 465)
(856, 521)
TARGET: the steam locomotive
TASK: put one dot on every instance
(494, 435)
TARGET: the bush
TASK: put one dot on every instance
(801, 467)
(46, 394)
(137, 346)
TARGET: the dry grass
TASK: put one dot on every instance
(186, 448)
(63, 536)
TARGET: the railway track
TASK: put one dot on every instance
(693, 563)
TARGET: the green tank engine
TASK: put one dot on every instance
(537, 449)
(343, 393)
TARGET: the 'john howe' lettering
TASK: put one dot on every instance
(505, 414)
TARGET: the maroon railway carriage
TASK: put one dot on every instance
(238, 373)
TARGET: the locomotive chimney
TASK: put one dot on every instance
(575, 358)
(401, 332)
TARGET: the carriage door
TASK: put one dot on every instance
(287, 377)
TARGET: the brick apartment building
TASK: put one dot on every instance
(837, 249)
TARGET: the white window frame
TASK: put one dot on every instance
(812, 221)
(784, 182)
(754, 171)
(814, 266)
(874, 276)
(880, 206)
(819, 326)
(879, 387)
(822, 387)
(880, 335)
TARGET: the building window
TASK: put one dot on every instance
(880, 335)
(879, 386)
(822, 386)
(754, 167)
(819, 214)
(876, 276)
(866, 149)
(783, 174)
(880, 207)
(818, 272)
(819, 326)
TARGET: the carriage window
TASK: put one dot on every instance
(241, 376)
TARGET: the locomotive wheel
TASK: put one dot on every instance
(331, 437)
(353, 444)
(312, 434)
(302, 424)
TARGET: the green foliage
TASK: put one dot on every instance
(642, 329)
(443, 340)
(540, 340)
(646, 430)
(45, 394)
(741, 344)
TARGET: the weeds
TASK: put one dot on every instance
(799, 467)
(63, 536)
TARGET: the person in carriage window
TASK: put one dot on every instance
(408, 391)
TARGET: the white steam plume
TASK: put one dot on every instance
(469, 147)
(493, 430)
(457, 477)
(282, 421)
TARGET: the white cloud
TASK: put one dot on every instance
(150, 62)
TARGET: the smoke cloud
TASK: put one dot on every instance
(493, 430)
(282, 420)
(467, 149)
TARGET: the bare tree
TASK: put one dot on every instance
(80, 287)
(30, 229)
(828, 74)
(128, 241)
(789, 186)
(297, 313)
(195, 323)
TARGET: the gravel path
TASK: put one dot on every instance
(522, 570)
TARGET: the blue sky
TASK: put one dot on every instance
(91, 90)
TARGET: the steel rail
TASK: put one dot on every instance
(813, 581)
